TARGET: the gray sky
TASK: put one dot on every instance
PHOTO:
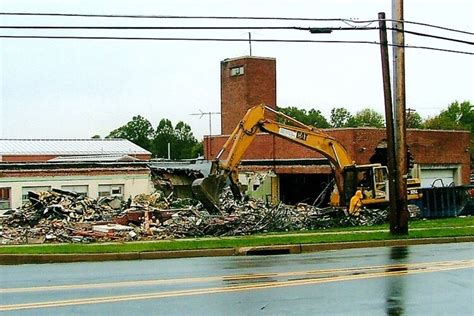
(79, 88)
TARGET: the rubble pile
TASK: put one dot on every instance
(254, 216)
(62, 216)
(56, 216)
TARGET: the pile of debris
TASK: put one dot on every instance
(254, 216)
(62, 216)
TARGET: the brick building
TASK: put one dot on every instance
(299, 174)
(94, 179)
(245, 82)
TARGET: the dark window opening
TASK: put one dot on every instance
(304, 188)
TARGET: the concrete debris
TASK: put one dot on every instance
(61, 216)
(111, 228)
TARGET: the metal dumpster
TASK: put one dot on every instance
(445, 201)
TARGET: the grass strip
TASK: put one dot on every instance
(425, 223)
(457, 227)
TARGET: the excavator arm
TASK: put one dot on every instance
(207, 189)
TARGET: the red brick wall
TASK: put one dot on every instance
(427, 146)
(238, 93)
(296, 169)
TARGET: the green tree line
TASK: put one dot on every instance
(140, 131)
(457, 116)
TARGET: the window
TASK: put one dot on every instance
(24, 191)
(381, 182)
(79, 189)
(110, 189)
(4, 198)
(237, 71)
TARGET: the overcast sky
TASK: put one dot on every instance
(79, 88)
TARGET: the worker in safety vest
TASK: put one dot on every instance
(355, 203)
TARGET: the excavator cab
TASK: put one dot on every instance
(371, 180)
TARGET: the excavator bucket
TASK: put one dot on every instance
(207, 190)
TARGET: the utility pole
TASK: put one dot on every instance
(399, 223)
(392, 189)
(409, 113)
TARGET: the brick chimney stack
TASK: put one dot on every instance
(245, 82)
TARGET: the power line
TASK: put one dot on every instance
(155, 27)
(316, 30)
(223, 40)
(345, 20)
(140, 16)
(414, 23)
(311, 29)
(431, 36)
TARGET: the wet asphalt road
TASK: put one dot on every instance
(415, 280)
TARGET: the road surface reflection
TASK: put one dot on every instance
(396, 286)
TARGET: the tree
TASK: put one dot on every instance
(414, 120)
(294, 112)
(198, 149)
(456, 116)
(185, 141)
(340, 117)
(366, 117)
(139, 131)
(315, 118)
(96, 136)
(164, 134)
(181, 140)
(312, 117)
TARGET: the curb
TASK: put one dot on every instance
(9, 259)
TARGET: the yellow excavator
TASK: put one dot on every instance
(356, 185)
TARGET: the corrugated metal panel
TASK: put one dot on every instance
(68, 147)
(443, 202)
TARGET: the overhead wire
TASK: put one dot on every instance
(345, 20)
(55, 27)
(226, 40)
(432, 36)
(416, 23)
(175, 27)
(141, 16)
(329, 29)
(317, 29)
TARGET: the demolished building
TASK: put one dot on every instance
(276, 169)
(90, 167)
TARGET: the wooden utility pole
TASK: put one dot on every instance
(399, 223)
(408, 118)
(393, 196)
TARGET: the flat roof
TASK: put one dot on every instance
(92, 146)
(246, 57)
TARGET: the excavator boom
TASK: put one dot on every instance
(207, 189)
